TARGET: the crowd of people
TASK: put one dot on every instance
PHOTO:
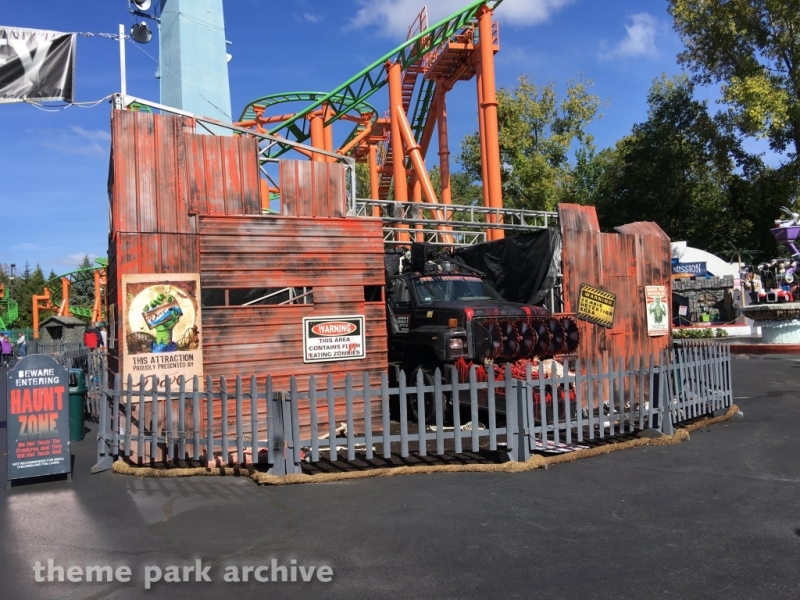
(95, 337)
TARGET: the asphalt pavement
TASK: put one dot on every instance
(715, 517)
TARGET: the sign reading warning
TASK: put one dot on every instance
(330, 339)
(38, 418)
(596, 305)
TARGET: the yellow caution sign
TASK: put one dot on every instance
(596, 305)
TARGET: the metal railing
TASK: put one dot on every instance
(468, 224)
(561, 407)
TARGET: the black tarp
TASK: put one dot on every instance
(523, 268)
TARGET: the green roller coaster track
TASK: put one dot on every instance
(77, 276)
(300, 130)
(357, 90)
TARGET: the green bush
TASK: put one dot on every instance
(722, 333)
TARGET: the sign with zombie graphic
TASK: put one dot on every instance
(38, 418)
(657, 310)
(161, 327)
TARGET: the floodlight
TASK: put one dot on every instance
(141, 33)
(142, 4)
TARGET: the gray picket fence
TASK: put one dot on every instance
(570, 407)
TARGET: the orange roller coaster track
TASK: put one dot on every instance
(418, 75)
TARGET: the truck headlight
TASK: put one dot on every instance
(456, 344)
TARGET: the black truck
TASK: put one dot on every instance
(443, 314)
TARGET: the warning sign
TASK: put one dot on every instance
(38, 418)
(596, 305)
(657, 310)
(330, 339)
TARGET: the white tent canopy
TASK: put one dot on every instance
(714, 264)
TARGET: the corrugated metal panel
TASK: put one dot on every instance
(312, 189)
(643, 228)
(223, 175)
(147, 183)
(622, 264)
(577, 217)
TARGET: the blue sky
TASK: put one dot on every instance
(54, 165)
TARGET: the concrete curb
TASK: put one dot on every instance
(535, 462)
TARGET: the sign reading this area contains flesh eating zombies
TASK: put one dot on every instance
(330, 339)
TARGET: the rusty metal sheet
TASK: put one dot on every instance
(312, 189)
(622, 264)
(578, 217)
(643, 228)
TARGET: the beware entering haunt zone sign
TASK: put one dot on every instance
(330, 339)
(38, 418)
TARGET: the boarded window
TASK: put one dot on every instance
(261, 296)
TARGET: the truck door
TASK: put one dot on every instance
(399, 315)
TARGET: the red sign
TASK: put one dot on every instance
(334, 328)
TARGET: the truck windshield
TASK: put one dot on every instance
(449, 288)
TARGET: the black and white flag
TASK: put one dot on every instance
(36, 65)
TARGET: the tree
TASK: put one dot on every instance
(676, 169)
(538, 133)
(751, 47)
(81, 292)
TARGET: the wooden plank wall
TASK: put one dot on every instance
(622, 263)
(335, 257)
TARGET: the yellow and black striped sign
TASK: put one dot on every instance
(596, 305)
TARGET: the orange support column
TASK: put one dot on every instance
(444, 148)
(97, 307)
(482, 137)
(63, 310)
(398, 155)
(489, 105)
(317, 135)
(328, 130)
(374, 178)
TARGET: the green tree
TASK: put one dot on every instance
(539, 132)
(751, 48)
(462, 189)
(676, 169)
(25, 286)
(81, 292)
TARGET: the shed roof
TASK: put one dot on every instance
(66, 321)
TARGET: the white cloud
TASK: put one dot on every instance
(73, 260)
(78, 141)
(308, 17)
(392, 18)
(640, 41)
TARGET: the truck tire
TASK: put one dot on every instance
(430, 398)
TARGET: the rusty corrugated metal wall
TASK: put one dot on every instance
(183, 202)
(622, 263)
(312, 189)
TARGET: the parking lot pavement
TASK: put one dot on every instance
(716, 517)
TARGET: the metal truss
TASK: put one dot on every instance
(467, 225)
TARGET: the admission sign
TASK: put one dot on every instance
(38, 418)
(330, 339)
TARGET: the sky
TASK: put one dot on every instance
(54, 165)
